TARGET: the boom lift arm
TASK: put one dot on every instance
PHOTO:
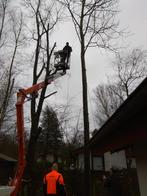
(21, 95)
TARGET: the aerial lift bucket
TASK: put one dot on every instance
(59, 63)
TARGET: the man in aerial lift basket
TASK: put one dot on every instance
(62, 58)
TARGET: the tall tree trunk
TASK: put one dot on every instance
(30, 158)
(86, 123)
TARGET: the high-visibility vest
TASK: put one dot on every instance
(51, 179)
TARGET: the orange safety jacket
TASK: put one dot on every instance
(50, 180)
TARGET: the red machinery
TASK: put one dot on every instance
(21, 95)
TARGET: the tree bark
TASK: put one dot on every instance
(86, 122)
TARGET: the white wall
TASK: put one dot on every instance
(97, 163)
(133, 165)
(118, 159)
(107, 161)
(80, 161)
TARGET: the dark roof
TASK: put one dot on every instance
(125, 124)
(6, 158)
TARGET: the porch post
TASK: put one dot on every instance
(141, 162)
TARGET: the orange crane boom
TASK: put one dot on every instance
(21, 96)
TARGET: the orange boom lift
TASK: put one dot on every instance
(21, 96)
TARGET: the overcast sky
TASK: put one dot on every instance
(133, 15)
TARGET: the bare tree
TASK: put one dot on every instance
(95, 25)
(44, 15)
(7, 71)
(130, 69)
(3, 9)
(74, 134)
(106, 102)
(76, 138)
(8, 145)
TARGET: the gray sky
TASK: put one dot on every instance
(133, 15)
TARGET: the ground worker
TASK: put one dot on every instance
(54, 183)
(112, 183)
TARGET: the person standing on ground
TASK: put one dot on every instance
(112, 184)
(53, 183)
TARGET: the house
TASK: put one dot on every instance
(7, 166)
(126, 129)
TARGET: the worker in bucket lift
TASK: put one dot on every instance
(66, 55)
(67, 51)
